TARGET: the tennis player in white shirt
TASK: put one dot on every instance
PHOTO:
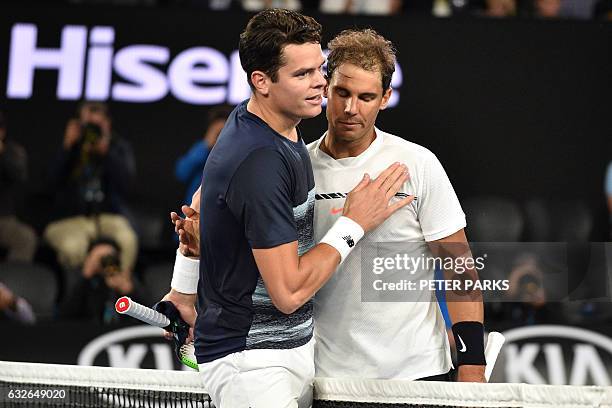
(384, 340)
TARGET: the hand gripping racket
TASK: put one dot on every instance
(165, 315)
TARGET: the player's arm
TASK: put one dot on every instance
(188, 228)
(465, 308)
(186, 269)
(292, 280)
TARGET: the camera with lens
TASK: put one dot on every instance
(529, 285)
(110, 264)
(90, 133)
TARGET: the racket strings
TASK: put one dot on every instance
(187, 355)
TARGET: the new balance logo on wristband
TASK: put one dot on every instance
(349, 241)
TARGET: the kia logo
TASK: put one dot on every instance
(583, 365)
(123, 348)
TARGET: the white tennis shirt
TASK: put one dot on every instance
(385, 340)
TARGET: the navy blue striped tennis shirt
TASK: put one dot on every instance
(257, 192)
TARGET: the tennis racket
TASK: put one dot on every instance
(166, 316)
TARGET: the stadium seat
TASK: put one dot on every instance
(150, 228)
(493, 219)
(571, 220)
(537, 221)
(157, 279)
(559, 220)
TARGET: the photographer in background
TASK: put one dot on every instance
(527, 297)
(101, 283)
(90, 178)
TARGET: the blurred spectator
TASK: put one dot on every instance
(189, 167)
(581, 9)
(17, 238)
(258, 5)
(441, 8)
(379, 7)
(90, 177)
(15, 308)
(547, 8)
(217, 5)
(500, 8)
(118, 2)
(101, 283)
(462, 7)
(603, 10)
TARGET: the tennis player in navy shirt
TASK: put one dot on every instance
(259, 264)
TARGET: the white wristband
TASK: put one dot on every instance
(185, 275)
(343, 235)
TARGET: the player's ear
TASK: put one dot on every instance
(385, 98)
(325, 89)
(261, 82)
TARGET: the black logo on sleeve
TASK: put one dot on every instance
(349, 240)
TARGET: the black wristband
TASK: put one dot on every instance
(469, 341)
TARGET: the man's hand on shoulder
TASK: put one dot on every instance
(368, 203)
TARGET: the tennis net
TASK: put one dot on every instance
(48, 385)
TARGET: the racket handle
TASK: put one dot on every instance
(125, 305)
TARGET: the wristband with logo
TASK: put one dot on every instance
(469, 341)
(186, 274)
(343, 235)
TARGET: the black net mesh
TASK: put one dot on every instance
(22, 395)
(47, 395)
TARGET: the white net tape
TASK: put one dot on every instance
(353, 389)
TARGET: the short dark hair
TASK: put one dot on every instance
(262, 42)
(94, 106)
(2, 120)
(364, 48)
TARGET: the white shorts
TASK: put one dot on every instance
(262, 378)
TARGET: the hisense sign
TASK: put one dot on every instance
(89, 66)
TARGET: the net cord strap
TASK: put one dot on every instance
(433, 393)
(351, 389)
(104, 377)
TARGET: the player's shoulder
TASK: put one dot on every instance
(312, 146)
(405, 147)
